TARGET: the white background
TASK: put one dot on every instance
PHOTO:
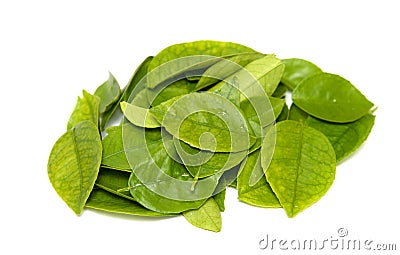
(51, 50)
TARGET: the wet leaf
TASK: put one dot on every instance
(190, 116)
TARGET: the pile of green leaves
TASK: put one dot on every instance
(191, 123)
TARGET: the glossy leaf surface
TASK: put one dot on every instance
(296, 70)
(331, 98)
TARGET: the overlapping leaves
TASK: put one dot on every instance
(199, 117)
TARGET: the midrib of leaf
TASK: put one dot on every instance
(78, 159)
(212, 218)
(205, 124)
(298, 161)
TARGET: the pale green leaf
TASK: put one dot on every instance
(74, 163)
(139, 116)
(86, 108)
(303, 165)
(207, 217)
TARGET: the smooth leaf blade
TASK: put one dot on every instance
(139, 73)
(74, 164)
(190, 116)
(109, 92)
(207, 217)
(296, 70)
(303, 166)
(259, 194)
(344, 137)
(139, 116)
(86, 108)
(113, 150)
(102, 200)
(331, 98)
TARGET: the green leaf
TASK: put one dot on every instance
(270, 111)
(297, 114)
(296, 70)
(139, 116)
(229, 91)
(157, 172)
(202, 49)
(331, 98)
(201, 163)
(220, 200)
(190, 116)
(74, 163)
(113, 150)
(267, 71)
(114, 181)
(280, 91)
(109, 93)
(344, 137)
(162, 94)
(102, 200)
(86, 108)
(140, 72)
(259, 194)
(303, 165)
(284, 115)
(224, 68)
(207, 217)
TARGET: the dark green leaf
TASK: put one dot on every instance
(297, 70)
(109, 93)
(140, 72)
(331, 98)
(344, 137)
(157, 172)
(102, 200)
(297, 114)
